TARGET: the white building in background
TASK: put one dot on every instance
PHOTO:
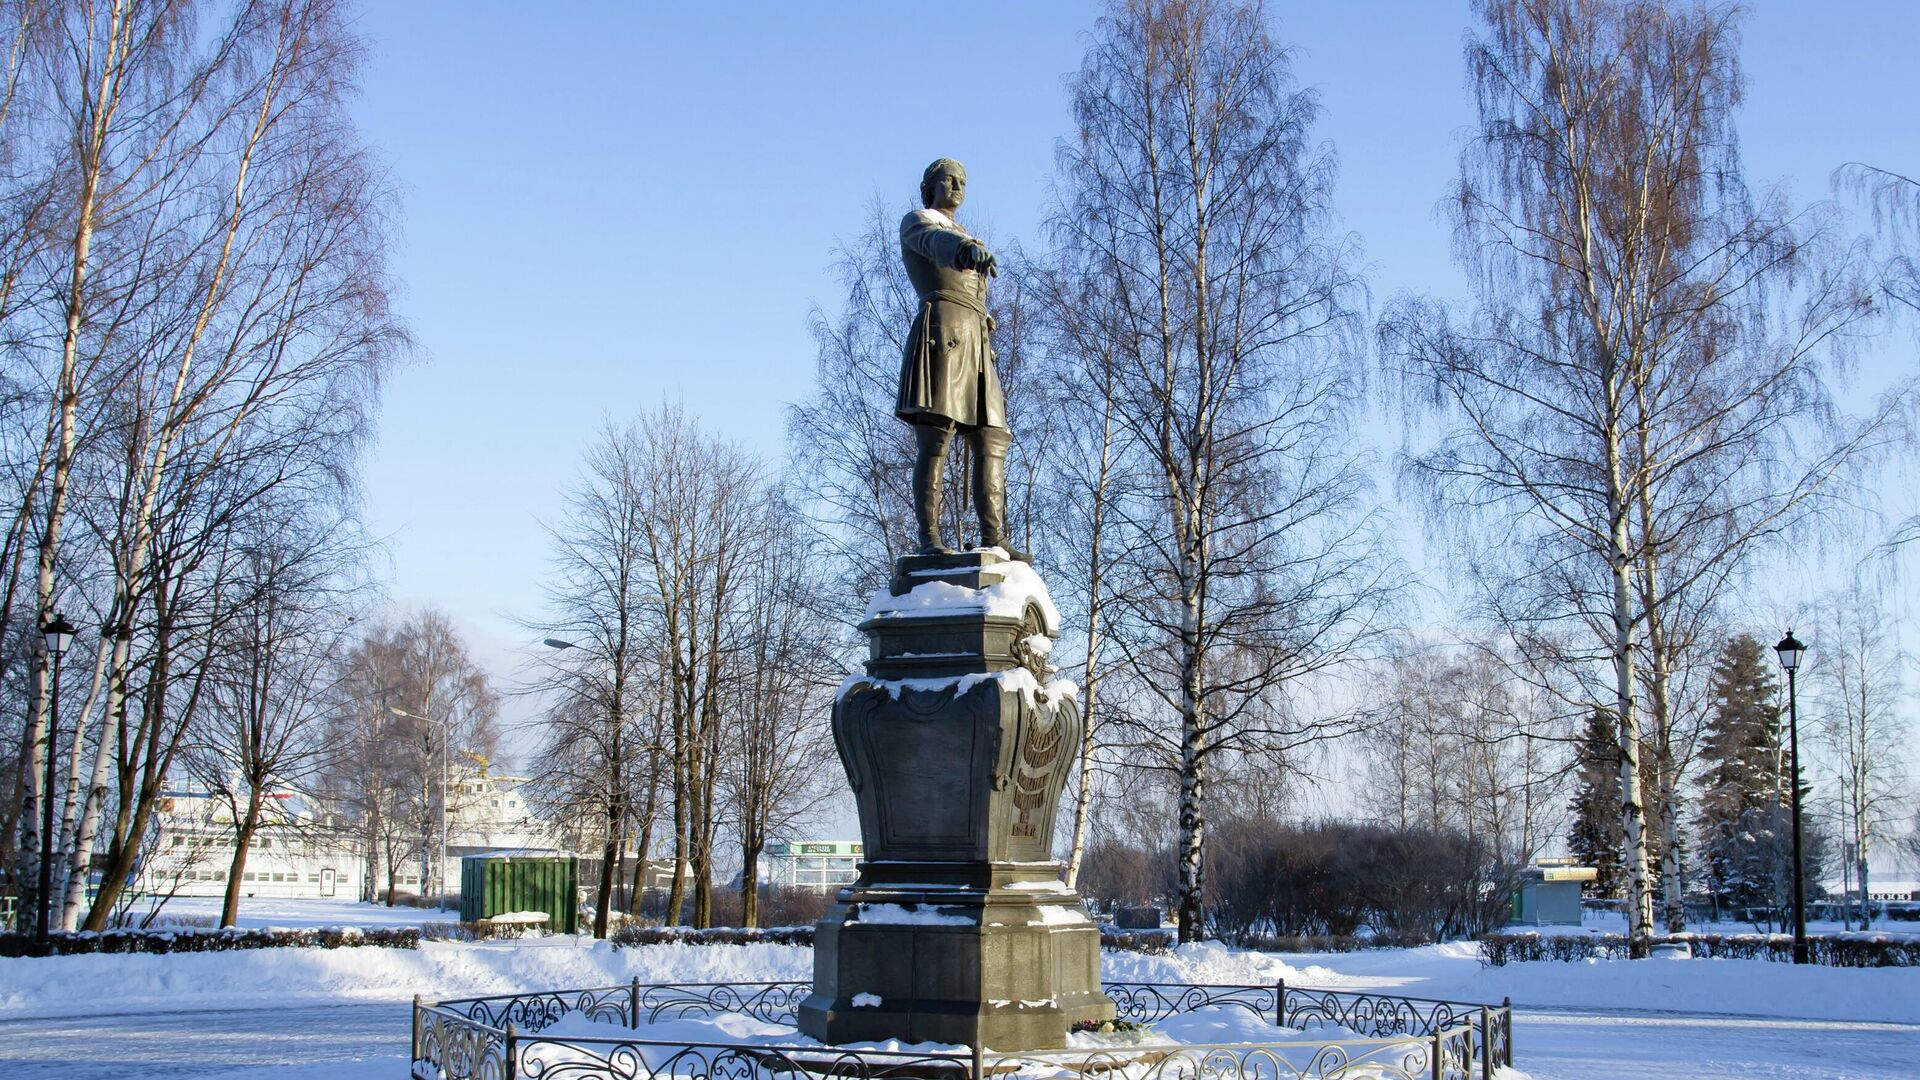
(485, 813)
(818, 865)
(305, 851)
(291, 853)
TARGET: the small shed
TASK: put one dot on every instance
(520, 880)
(1549, 893)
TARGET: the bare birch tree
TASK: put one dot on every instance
(602, 733)
(273, 327)
(119, 83)
(1645, 351)
(279, 654)
(1083, 305)
(1244, 555)
(780, 762)
(410, 693)
(1858, 681)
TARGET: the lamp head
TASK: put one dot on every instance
(1790, 650)
(58, 633)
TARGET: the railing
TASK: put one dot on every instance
(1489, 1027)
(1376, 1035)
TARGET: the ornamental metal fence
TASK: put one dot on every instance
(1385, 1036)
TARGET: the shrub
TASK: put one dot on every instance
(195, 939)
(1140, 941)
(1338, 943)
(635, 934)
(793, 907)
(1835, 950)
(1152, 941)
(1276, 881)
(466, 931)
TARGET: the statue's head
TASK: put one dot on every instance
(944, 185)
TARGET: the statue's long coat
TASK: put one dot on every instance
(947, 372)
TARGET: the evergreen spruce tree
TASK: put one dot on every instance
(1745, 817)
(1596, 835)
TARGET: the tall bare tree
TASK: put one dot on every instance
(273, 684)
(1635, 404)
(1858, 679)
(117, 89)
(698, 512)
(779, 756)
(603, 737)
(1244, 555)
(1083, 315)
(410, 699)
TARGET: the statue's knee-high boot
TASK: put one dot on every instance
(990, 488)
(929, 463)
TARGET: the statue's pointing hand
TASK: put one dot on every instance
(975, 256)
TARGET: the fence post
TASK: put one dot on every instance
(413, 1042)
(633, 1002)
(1486, 1043)
(1280, 1003)
(1436, 1054)
(979, 1063)
(513, 1057)
(1506, 1007)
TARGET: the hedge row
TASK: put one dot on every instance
(1149, 941)
(1835, 950)
(633, 934)
(195, 939)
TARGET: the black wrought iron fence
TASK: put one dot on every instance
(505, 1037)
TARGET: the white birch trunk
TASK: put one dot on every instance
(82, 833)
(1633, 817)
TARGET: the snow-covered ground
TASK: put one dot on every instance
(315, 1014)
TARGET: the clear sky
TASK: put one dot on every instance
(608, 205)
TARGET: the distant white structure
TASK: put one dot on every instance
(291, 853)
(301, 850)
(486, 812)
(819, 865)
(1549, 893)
(1878, 889)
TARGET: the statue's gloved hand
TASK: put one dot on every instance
(975, 256)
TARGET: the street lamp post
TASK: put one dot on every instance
(58, 633)
(1791, 651)
(442, 895)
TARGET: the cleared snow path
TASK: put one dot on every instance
(1576, 1045)
(321, 1042)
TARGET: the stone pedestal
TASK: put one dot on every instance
(957, 744)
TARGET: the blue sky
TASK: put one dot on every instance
(608, 205)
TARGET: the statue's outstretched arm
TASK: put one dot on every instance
(943, 244)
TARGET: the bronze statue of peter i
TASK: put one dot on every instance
(948, 381)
